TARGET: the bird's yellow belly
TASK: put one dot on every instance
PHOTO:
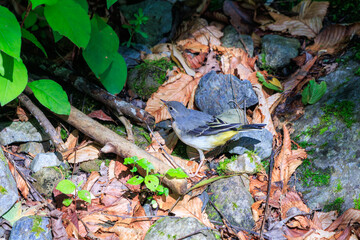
(205, 143)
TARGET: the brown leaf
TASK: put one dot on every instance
(177, 88)
(349, 217)
(290, 200)
(287, 161)
(21, 114)
(177, 57)
(334, 38)
(211, 64)
(99, 114)
(193, 46)
(168, 143)
(85, 153)
(195, 61)
(324, 219)
(240, 17)
(20, 182)
(307, 23)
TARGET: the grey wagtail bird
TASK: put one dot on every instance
(201, 130)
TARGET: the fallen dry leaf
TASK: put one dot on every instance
(348, 218)
(177, 88)
(307, 23)
(85, 153)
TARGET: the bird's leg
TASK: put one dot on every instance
(202, 160)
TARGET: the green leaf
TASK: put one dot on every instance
(266, 84)
(135, 180)
(152, 182)
(57, 36)
(36, 3)
(145, 164)
(83, 4)
(134, 169)
(14, 80)
(67, 202)
(208, 181)
(71, 20)
(114, 78)
(29, 36)
(102, 47)
(131, 160)
(2, 69)
(85, 195)
(313, 92)
(66, 186)
(176, 173)
(109, 3)
(143, 34)
(30, 19)
(10, 37)
(13, 214)
(51, 95)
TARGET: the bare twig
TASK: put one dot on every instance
(43, 121)
(128, 127)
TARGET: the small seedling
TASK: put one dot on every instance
(151, 181)
(313, 92)
(134, 26)
(68, 187)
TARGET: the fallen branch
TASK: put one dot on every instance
(116, 144)
(43, 121)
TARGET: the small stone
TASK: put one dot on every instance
(44, 160)
(8, 190)
(232, 38)
(91, 166)
(216, 93)
(174, 228)
(246, 163)
(232, 197)
(46, 180)
(31, 228)
(13, 132)
(32, 148)
(278, 50)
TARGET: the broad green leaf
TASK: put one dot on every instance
(176, 173)
(152, 182)
(29, 36)
(83, 4)
(51, 95)
(67, 202)
(85, 195)
(57, 36)
(66, 186)
(13, 214)
(114, 77)
(266, 84)
(30, 19)
(10, 37)
(69, 19)
(102, 47)
(313, 92)
(131, 160)
(135, 180)
(109, 3)
(14, 80)
(36, 3)
(145, 164)
(134, 169)
(2, 69)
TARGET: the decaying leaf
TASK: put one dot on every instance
(84, 153)
(177, 57)
(307, 23)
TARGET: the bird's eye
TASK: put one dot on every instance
(171, 108)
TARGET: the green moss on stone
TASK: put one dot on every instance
(335, 205)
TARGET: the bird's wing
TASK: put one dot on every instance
(213, 127)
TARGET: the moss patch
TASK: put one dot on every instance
(335, 205)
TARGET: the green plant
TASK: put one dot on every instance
(151, 181)
(222, 165)
(357, 203)
(335, 205)
(310, 175)
(68, 18)
(68, 187)
(274, 85)
(313, 92)
(134, 26)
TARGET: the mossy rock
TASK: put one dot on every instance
(147, 77)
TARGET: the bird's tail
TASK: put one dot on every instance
(251, 127)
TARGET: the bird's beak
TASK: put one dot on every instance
(165, 102)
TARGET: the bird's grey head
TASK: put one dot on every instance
(176, 109)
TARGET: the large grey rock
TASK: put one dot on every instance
(174, 228)
(216, 91)
(159, 23)
(44, 160)
(46, 180)
(259, 141)
(12, 132)
(278, 50)
(246, 163)
(31, 228)
(330, 132)
(232, 38)
(8, 190)
(234, 201)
